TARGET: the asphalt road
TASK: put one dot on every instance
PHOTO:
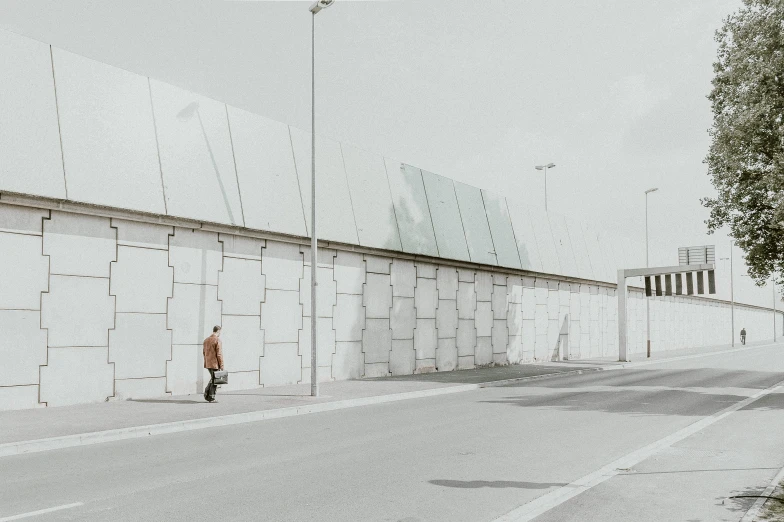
(472, 456)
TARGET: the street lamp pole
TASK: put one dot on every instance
(647, 265)
(314, 389)
(545, 167)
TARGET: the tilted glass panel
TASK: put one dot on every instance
(371, 199)
(447, 224)
(477, 230)
(196, 156)
(611, 259)
(545, 242)
(411, 209)
(30, 157)
(580, 249)
(266, 173)
(598, 265)
(563, 245)
(334, 207)
(524, 236)
(108, 135)
(501, 230)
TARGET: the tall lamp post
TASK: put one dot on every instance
(732, 293)
(544, 168)
(314, 390)
(647, 265)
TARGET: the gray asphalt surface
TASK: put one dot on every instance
(470, 456)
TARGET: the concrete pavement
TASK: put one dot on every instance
(476, 455)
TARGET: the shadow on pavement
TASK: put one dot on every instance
(165, 401)
(475, 484)
(494, 373)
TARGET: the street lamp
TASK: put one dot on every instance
(647, 265)
(544, 168)
(314, 391)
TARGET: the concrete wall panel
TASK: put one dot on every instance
(475, 225)
(403, 318)
(243, 343)
(349, 318)
(23, 348)
(196, 156)
(403, 278)
(402, 360)
(60, 385)
(281, 364)
(348, 361)
(196, 256)
(349, 272)
(183, 370)
(445, 213)
(30, 155)
(426, 298)
(141, 280)
(77, 311)
(241, 287)
(411, 209)
(282, 266)
(425, 339)
(327, 295)
(108, 135)
(377, 341)
(23, 275)
(446, 355)
(371, 199)
(193, 311)
(334, 206)
(281, 317)
(19, 398)
(139, 346)
(267, 174)
(142, 235)
(79, 245)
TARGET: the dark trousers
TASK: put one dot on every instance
(212, 388)
(742, 339)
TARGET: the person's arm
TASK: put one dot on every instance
(219, 352)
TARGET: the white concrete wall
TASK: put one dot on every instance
(128, 303)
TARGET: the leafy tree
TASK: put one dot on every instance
(746, 158)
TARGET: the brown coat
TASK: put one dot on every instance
(213, 352)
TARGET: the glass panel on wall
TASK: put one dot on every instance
(371, 199)
(411, 209)
(196, 156)
(545, 242)
(477, 230)
(30, 157)
(598, 266)
(444, 211)
(335, 213)
(501, 230)
(583, 262)
(266, 173)
(524, 236)
(563, 245)
(108, 135)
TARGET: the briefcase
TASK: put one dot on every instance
(221, 377)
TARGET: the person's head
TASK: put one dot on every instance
(216, 330)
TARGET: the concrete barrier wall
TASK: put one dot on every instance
(95, 308)
(83, 131)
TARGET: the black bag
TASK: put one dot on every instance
(220, 377)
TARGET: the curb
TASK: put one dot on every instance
(135, 432)
(753, 512)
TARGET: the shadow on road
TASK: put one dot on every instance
(165, 401)
(475, 484)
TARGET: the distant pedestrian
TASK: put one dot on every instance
(213, 360)
(743, 336)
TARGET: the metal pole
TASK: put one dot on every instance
(621, 316)
(314, 390)
(774, 308)
(647, 300)
(545, 188)
(732, 293)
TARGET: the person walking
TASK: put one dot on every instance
(213, 360)
(743, 335)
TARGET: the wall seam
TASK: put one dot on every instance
(157, 146)
(234, 158)
(59, 126)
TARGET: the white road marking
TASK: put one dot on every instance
(41, 512)
(555, 498)
(751, 514)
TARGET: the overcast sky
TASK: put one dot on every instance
(612, 91)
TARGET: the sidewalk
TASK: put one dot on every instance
(66, 426)
(46, 423)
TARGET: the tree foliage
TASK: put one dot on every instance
(746, 157)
